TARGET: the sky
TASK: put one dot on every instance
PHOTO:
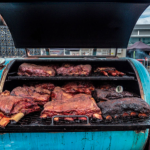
(145, 17)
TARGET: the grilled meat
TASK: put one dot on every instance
(70, 70)
(16, 106)
(106, 86)
(6, 92)
(9, 104)
(48, 86)
(27, 69)
(105, 95)
(100, 95)
(59, 94)
(37, 94)
(125, 107)
(105, 69)
(109, 70)
(78, 87)
(79, 104)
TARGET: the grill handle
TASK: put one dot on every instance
(69, 116)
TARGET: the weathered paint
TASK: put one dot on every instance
(112, 140)
(145, 79)
(127, 140)
(6, 62)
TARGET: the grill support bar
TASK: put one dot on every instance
(70, 116)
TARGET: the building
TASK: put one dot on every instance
(141, 32)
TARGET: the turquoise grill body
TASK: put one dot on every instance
(108, 140)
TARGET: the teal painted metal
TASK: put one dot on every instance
(6, 62)
(127, 140)
(113, 140)
(145, 79)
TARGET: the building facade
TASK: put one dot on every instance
(141, 32)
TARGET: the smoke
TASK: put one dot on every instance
(138, 54)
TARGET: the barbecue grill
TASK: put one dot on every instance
(75, 24)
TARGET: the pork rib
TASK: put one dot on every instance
(78, 87)
(78, 70)
(125, 107)
(109, 70)
(48, 86)
(14, 108)
(38, 94)
(27, 69)
(59, 94)
(79, 104)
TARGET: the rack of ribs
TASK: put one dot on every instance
(48, 86)
(124, 108)
(27, 69)
(79, 104)
(59, 94)
(14, 108)
(72, 70)
(78, 87)
(37, 94)
(109, 71)
(106, 95)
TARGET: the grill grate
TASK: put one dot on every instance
(71, 78)
(32, 123)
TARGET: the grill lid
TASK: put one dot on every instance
(99, 24)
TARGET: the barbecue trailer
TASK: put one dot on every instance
(71, 24)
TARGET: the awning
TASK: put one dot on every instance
(139, 46)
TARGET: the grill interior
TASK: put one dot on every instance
(121, 65)
(32, 122)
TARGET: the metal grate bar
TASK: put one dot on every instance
(71, 78)
(33, 123)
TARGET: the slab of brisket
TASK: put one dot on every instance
(72, 70)
(105, 95)
(37, 94)
(79, 104)
(125, 107)
(27, 69)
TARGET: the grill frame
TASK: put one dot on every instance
(36, 127)
(71, 78)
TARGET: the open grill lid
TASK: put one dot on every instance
(87, 24)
